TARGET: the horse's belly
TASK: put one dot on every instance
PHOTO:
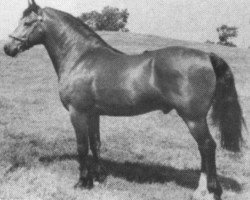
(125, 110)
(127, 103)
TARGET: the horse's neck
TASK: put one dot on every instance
(65, 45)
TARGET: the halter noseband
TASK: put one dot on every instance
(24, 41)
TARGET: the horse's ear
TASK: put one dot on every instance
(29, 4)
(33, 2)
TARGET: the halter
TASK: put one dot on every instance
(24, 41)
(16, 38)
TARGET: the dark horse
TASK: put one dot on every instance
(96, 79)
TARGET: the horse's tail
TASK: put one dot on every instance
(227, 113)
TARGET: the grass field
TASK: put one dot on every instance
(147, 157)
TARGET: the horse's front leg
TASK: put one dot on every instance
(95, 145)
(80, 123)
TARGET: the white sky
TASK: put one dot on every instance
(180, 19)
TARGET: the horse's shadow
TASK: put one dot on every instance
(150, 173)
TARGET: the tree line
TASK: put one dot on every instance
(226, 33)
(109, 19)
(114, 19)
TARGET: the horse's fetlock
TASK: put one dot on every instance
(214, 187)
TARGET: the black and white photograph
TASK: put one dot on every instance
(124, 100)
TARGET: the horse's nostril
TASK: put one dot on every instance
(6, 48)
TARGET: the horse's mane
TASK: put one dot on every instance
(80, 27)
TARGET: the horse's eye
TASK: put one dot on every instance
(30, 22)
(27, 23)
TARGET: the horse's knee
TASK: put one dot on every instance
(82, 150)
(98, 145)
(210, 144)
(95, 147)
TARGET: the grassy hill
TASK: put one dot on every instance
(147, 157)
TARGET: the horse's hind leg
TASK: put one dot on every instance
(80, 123)
(209, 187)
(95, 145)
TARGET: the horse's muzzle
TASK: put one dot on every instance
(11, 50)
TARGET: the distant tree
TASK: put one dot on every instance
(92, 19)
(225, 33)
(209, 42)
(110, 19)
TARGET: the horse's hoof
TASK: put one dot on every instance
(204, 195)
(217, 197)
(96, 183)
(79, 185)
(85, 183)
(101, 178)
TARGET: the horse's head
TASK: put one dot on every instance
(29, 31)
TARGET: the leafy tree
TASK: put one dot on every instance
(225, 33)
(110, 19)
(92, 19)
(209, 42)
